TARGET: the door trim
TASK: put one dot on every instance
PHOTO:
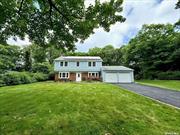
(78, 77)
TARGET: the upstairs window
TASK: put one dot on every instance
(89, 64)
(77, 64)
(66, 64)
(94, 64)
(61, 64)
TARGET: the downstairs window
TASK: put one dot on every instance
(63, 75)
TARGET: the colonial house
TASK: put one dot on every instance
(78, 68)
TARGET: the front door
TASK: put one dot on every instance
(78, 77)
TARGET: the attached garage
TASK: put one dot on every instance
(117, 74)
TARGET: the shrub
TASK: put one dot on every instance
(44, 67)
(14, 78)
(169, 75)
(2, 83)
(25, 77)
(40, 77)
(51, 75)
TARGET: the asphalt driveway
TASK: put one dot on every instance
(164, 95)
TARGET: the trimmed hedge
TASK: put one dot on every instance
(14, 78)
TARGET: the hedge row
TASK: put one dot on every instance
(14, 78)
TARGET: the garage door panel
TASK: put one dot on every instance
(118, 77)
(111, 77)
(124, 77)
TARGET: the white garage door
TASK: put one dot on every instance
(111, 77)
(117, 77)
(124, 77)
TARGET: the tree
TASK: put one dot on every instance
(178, 4)
(177, 7)
(27, 59)
(109, 54)
(155, 48)
(57, 22)
(38, 53)
(9, 57)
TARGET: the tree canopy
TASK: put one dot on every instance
(56, 22)
(155, 48)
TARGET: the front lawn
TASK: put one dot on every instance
(168, 84)
(82, 109)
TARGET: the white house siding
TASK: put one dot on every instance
(83, 66)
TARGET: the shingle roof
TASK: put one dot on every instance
(81, 58)
(116, 68)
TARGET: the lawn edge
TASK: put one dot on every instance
(169, 105)
(147, 84)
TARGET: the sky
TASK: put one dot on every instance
(137, 13)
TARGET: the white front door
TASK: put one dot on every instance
(78, 77)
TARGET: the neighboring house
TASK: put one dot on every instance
(78, 68)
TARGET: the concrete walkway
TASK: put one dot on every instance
(164, 95)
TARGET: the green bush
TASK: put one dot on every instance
(2, 83)
(51, 75)
(169, 75)
(40, 77)
(44, 67)
(14, 78)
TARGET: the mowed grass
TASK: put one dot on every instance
(50, 108)
(168, 84)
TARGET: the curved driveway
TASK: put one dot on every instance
(164, 95)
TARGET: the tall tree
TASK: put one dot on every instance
(9, 57)
(27, 59)
(57, 22)
(155, 48)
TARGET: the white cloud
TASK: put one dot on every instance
(137, 13)
(19, 42)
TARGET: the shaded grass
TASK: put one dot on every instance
(168, 84)
(82, 109)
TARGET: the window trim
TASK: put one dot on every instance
(67, 74)
(77, 64)
(96, 74)
(89, 63)
(63, 63)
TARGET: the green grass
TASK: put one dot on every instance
(50, 108)
(169, 84)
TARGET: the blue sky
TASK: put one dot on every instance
(137, 13)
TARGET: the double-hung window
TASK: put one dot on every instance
(93, 74)
(90, 63)
(62, 63)
(64, 75)
(77, 64)
(66, 63)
